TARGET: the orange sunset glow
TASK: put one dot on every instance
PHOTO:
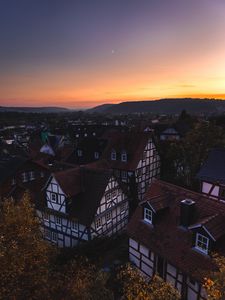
(146, 51)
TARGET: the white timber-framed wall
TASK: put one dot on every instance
(150, 263)
(214, 190)
(147, 169)
(60, 228)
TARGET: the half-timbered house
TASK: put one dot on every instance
(212, 175)
(173, 233)
(18, 172)
(134, 158)
(80, 204)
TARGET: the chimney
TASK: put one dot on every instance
(187, 209)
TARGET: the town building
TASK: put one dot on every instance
(80, 204)
(134, 159)
(173, 232)
(212, 175)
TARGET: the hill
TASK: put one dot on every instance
(165, 106)
(34, 109)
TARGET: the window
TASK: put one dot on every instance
(107, 197)
(74, 225)
(46, 216)
(124, 156)
(139, 172)
(114, 193)
(79, 153)
(94, 134)
(123, 208)
(202, 243)
(113, 155)
(58, 220)
(54, 237)
(98, 223)
(53, 197)
(96, 155)
(42, 174)
(148, 215)
(32, 175)
(108, 217)
(124, 175)
(47, 234)
(24, 177)
(13, 181)
(144, 155)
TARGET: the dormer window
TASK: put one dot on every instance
(79, 153)
(148, 215)
(124, 156)
(113, 155)
(202, 243)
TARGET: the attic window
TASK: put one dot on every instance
(148, 215)
(113, 155)
(202, 243)
(124, 156)
(54, 197)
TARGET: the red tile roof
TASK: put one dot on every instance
(132, 142)
(168, 239)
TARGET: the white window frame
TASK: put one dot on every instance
(148, 215)
(24, 177)
(98, 223)
(199, 235)
(74, 226)
(32, 175)
(54, 236)
(58, 220)
(108, 217)
(107, 197)
(124, 156)
(114, 193)
(113, 155)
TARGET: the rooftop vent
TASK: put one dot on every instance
(187, 209)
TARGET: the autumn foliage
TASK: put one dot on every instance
(215, 283)
(24, 256)
(136, 286)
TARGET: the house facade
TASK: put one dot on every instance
(173, 233)
(134, 158)
(212, 175)
(80, 204)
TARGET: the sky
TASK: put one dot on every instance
(82, 53)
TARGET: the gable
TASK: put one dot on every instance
(47, 149)
(109, 199)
